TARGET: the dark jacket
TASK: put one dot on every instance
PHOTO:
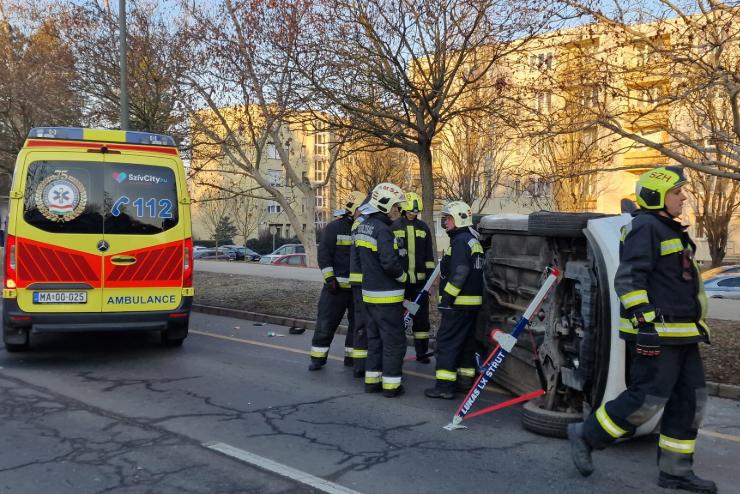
(415, 248)
(383, 276)
(658, 278)
(461, 272)
(334, 250)
(355, 270)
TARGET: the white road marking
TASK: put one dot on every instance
(280, 469)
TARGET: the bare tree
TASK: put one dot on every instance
(156, 62)
(247, 215)
(674, 54)
(472, 158)
(212, 207)
(362, 170)
(36, 79)
(399, 71)
(245, 105)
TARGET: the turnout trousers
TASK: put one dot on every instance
(386, 344)
(674, 380)
(332, 307)
(420, 322)
(359, 338)
(455, 354)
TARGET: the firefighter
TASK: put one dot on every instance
(415, 247)
(383, 279)
(359, 338)
(336, 295)
(461, 295)
(662, 321)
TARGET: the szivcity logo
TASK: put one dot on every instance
(121, 177)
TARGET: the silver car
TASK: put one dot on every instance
(723, 286)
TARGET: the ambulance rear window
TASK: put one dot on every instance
(100, 198)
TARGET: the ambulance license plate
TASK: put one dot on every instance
(59, 297)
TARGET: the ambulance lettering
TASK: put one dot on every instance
(138, 299)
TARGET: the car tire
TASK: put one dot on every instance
(12, 345)
(169, 341)
(552, 224)
(549, 423)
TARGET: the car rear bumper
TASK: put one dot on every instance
(63, 322)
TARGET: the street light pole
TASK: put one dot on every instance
(123, 64)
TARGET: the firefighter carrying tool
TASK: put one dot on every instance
(663, 309)
(415, 248)
(336, 295)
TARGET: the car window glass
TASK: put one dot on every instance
(140, 199)
(64, 197)
(294, 260)
(730, 282)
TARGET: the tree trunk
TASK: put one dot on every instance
(424, 156)
(717, 244)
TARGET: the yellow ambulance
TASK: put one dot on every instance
(98, 236)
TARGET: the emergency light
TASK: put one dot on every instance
(101, 135)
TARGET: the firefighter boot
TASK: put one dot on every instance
(422, 350)
(689, 482)
(580, 451)
(373, 387)
(463, 384)
(393, 393)
(316, 364)
(441, 389)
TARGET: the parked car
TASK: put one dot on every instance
(295, 260)
(282, 251)
(576, 330)
(242, 253)
(721, 270)
(212, 253)
(723, 286)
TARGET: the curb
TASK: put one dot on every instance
(729, 391)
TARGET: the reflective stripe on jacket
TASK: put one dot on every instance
(334, 250)
(383, 276)
(659, 278)
(415, 248)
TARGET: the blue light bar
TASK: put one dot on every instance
(68, 133)
(149, 139)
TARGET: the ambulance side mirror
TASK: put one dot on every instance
(2, 238)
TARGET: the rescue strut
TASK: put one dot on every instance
(505, 344)
(413, 307)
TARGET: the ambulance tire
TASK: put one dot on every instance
(550, 423)
(174, 340)
(14, 346)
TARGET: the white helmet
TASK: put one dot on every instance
(385, 195)
(353, 201)
(461, 213)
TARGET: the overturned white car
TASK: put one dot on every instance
(576, 332)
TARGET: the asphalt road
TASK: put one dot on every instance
(118, 413)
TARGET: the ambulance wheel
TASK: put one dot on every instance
(549, 423)
(16, 340)
(174, 338)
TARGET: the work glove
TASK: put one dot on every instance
(648, 340)
(331, 284)
(446, 303)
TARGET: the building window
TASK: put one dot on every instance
(273, 207)
(275, 177)
(544, 102)
(321, 197)
(319, 174)
(321, 144)
(543, 61)
(321, 219)
(591, 97)
(271, 151)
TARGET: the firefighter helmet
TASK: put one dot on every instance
(653, 185)
(385, 195)
(354, 199)
(413, 203)
(460, 212)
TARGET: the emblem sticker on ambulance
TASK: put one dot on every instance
(61, 197)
